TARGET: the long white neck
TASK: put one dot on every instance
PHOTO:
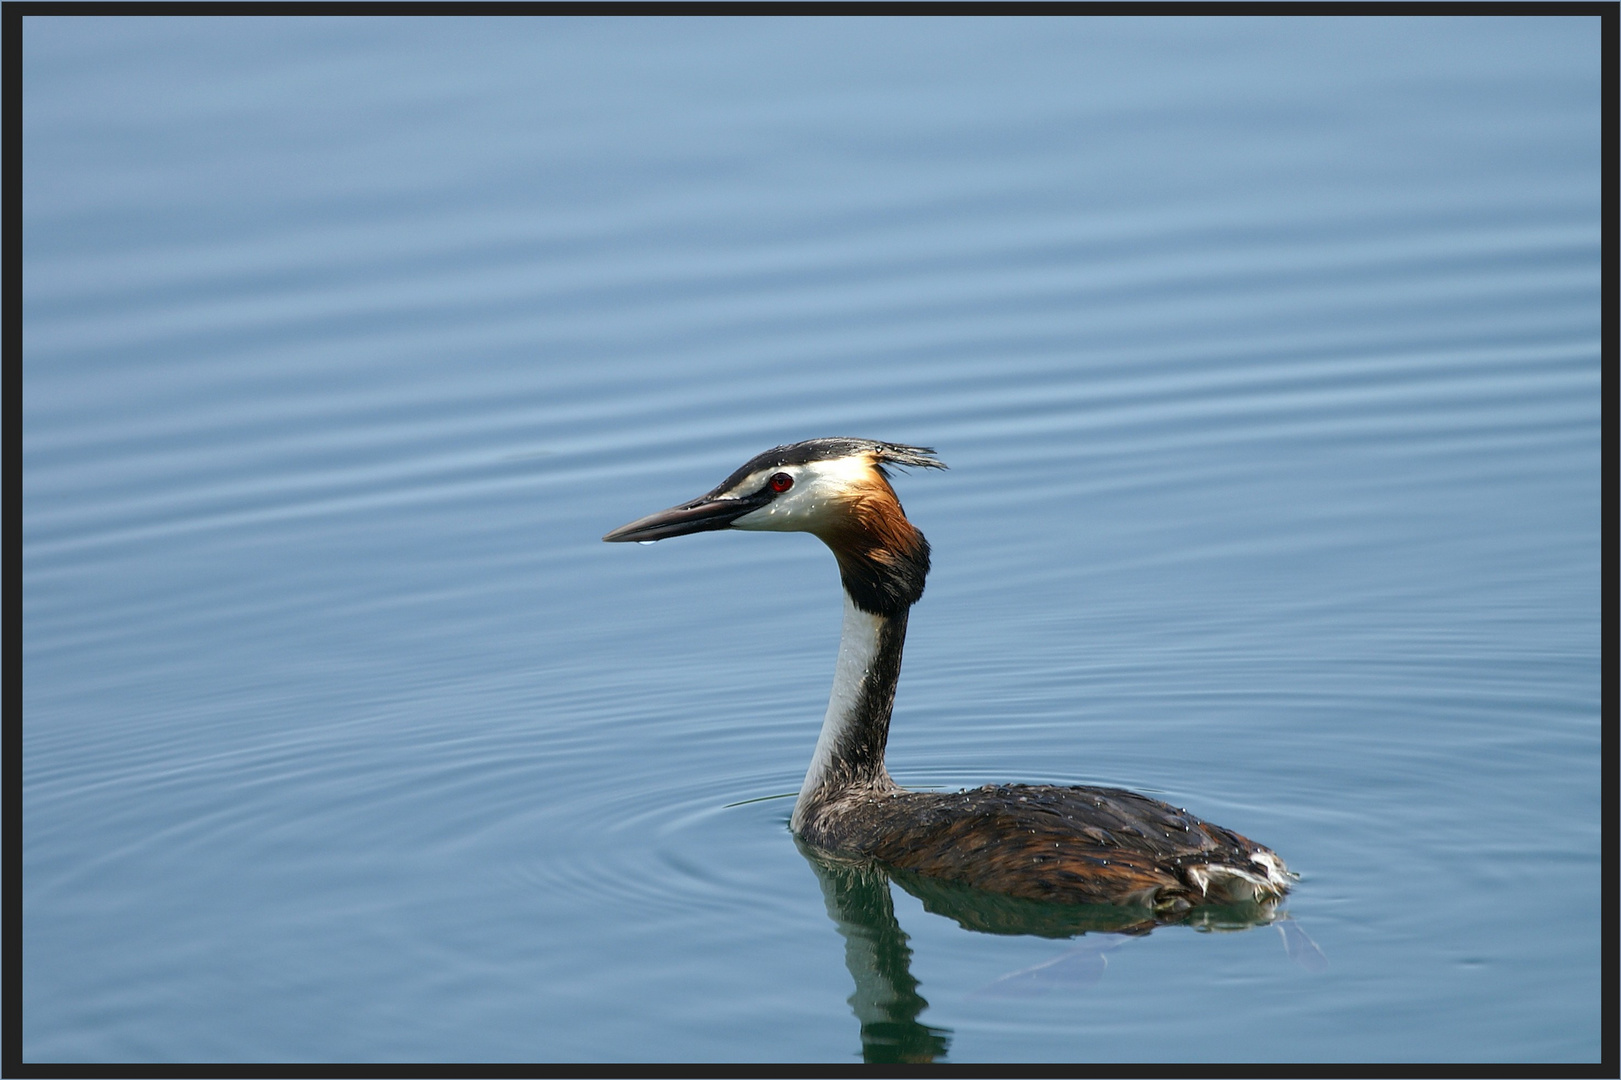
(850, 748)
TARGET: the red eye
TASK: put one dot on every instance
(781, 482)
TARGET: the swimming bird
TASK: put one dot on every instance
(1051, 843)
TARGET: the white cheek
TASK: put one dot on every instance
(796, 511)
(813, 500)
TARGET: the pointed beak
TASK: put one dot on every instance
(703, 514)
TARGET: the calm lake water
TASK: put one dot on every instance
(1266, 359)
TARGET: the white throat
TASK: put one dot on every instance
(858, 647)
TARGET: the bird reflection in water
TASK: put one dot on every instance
(886, 1001)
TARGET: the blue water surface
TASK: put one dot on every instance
(1265, 354)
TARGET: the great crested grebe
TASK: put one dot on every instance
(1086, 845)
